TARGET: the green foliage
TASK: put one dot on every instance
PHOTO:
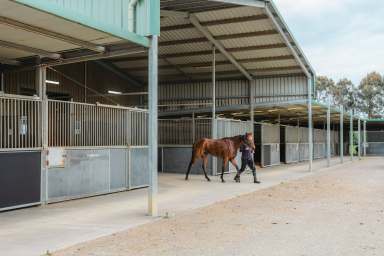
(367, 98)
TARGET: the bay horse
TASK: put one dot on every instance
(225, 148)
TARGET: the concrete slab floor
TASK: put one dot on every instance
(33, 231)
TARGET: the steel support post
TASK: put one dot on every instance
(359, 138)
(351, 136)
(214, 121)
(2, 82)
(310, 126)
(193, 127)
(329, 134)
(41, 75)
(251, 101)
(342, 134)
(153, 123)
(365, 138)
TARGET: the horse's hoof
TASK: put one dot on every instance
(208, 180)
(222, 181)
(257, 182)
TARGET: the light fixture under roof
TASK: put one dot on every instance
(52, 82)
(114, 92)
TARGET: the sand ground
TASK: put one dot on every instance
(337, 211)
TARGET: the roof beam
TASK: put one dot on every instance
(222, 37)
(208, 52)
(9, 62)
(112, 68)
(287, 41)
(218, 22)
(209, 64)
(203, 73)
(50, 34)
(25, 48)
(193, 19)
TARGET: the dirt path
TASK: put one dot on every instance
(339, 211)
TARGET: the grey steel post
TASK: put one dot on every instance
(329, 134)
(310, 131)
(351, 136)
(193, 127)
(2, 82)
(365, 138)
(41, 75)
(153, 122)
(342, 134)
(359, 138)
(214, 121)
(251, 101)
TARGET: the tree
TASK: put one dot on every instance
(372, 93)
(324, 88)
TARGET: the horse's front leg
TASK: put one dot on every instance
(205, 161)
(225, 163)
(238, 173)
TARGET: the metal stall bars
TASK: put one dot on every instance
(20, 123)
(95, 149)
(20, 151)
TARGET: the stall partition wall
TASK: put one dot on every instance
(267, 140)
(375, 143)
(176, 137)
(94, 149)
(289, 144)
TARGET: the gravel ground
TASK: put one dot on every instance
(339, 211)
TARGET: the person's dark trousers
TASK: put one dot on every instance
(244, 164)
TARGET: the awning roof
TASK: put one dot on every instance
(247, 33)
(26, 32)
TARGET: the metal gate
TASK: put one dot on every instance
(94, 149)
(20, 151)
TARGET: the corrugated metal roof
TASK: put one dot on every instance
(246, 32)
(20, 13)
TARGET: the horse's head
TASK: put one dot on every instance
(248, 140)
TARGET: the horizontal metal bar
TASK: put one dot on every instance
(221, 37)
(217, 22)
(51, 34)
(29, 49)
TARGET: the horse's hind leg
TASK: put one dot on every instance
(205, 161)
(193, 159)
(225, 163)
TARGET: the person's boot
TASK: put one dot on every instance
(255, 179)
(237, 178)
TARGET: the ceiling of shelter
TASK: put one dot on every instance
(246, 34)
(289, 113)
(26, 32)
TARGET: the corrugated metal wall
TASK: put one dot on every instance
(280, 89)
(232, 92)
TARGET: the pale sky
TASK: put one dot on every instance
(341, 38)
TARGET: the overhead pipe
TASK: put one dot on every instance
(131, 15)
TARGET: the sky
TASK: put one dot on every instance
(341, 38)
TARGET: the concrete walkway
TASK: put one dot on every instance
(33, 231)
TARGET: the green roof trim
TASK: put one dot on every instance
(55, 9)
